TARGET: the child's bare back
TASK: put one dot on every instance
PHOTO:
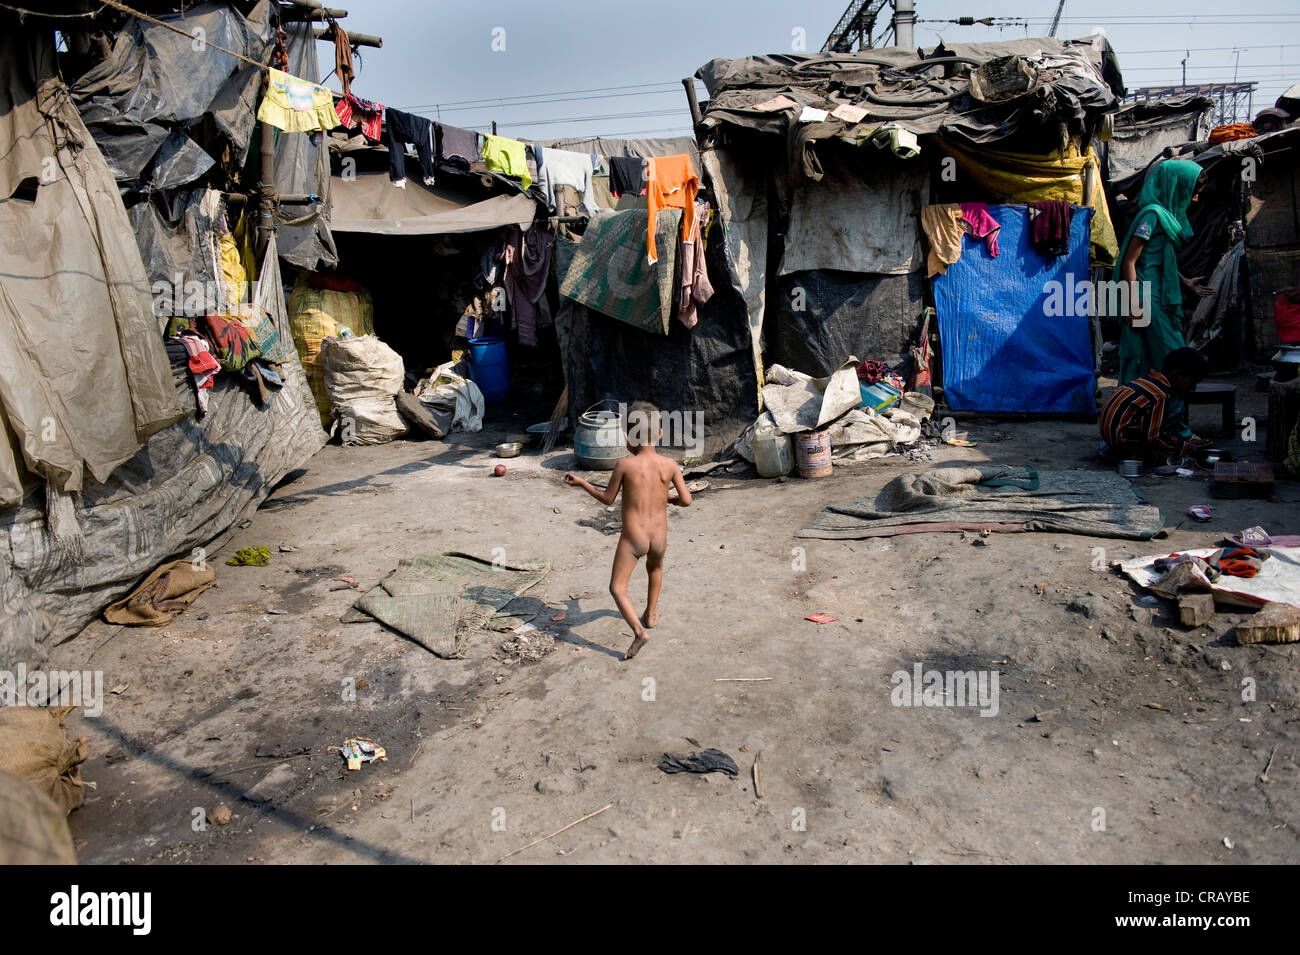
(644, 478)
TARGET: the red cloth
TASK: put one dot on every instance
(982, 225)
(334, 283)
(1286, 316)
(361, 112)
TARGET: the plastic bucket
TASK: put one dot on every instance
(773, 453)
(598, 441)
(488, 368)
(812, 451)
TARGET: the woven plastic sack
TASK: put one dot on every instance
(362, 378)
(318, 314)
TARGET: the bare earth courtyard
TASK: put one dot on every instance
(1119, 736)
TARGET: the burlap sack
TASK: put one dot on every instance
(35, 746)
(163, 594)
(32, 829)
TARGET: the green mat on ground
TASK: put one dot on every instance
(439, 600)
(1096, 503)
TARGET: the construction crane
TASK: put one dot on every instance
(1056, 20)
(857, 24)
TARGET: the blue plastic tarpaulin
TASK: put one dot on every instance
(1012, 341)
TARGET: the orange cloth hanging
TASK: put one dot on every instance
(671, 183)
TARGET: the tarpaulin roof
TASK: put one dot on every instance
(982, 92)
(368, 202)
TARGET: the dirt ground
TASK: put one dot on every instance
(1121, 737)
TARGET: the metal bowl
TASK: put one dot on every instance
(509, 449)
(537, 432)
(1131, 469)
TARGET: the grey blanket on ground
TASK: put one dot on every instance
(1095, 503)
(440, 600)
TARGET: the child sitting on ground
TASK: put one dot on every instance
(644, 478)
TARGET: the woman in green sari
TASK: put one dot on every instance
(1154, 326)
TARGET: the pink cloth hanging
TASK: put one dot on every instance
(982, 225)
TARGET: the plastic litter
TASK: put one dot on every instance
(360, 750)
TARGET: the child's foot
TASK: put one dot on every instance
(637, 643)
(648, 619)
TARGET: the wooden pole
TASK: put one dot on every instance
(266, 187)
(356, 39)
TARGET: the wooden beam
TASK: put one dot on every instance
(356, 39)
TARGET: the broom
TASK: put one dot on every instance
(558, 415)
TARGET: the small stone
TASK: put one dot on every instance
(220, 815)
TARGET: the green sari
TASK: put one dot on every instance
(1164, 200)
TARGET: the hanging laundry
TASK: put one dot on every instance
(507, 156)
(354, 111)
(527, 259)
(458, 147)
(203, 368)
(295, 105)
(558, 168)
(982, 225)
(696, 289)
(627, 176)
(1049, 227)
(672, 184)
(943, 230)
(343, 58)
(406, 128)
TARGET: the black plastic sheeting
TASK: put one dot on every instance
(845, 313)
(160, 110)
(175, 237)
(144, 105)
(708, 369)
(302, 166)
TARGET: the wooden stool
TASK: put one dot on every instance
(1218, 393)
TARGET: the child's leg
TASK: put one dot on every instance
(624, 562)
(654, 568)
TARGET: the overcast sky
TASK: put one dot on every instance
(578, 67)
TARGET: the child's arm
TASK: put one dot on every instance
(683, 498)
(606, 495)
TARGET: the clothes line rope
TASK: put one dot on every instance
(23, 11)
(206, 42)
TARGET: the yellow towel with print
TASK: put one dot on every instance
(296, 106)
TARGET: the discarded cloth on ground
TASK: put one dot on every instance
(444, 401)
(705, 761)
(609, 271)
(162, 595)
(439, 600)
(799, 402)
(1096, 503)
(1278, 580)
(36, 748)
